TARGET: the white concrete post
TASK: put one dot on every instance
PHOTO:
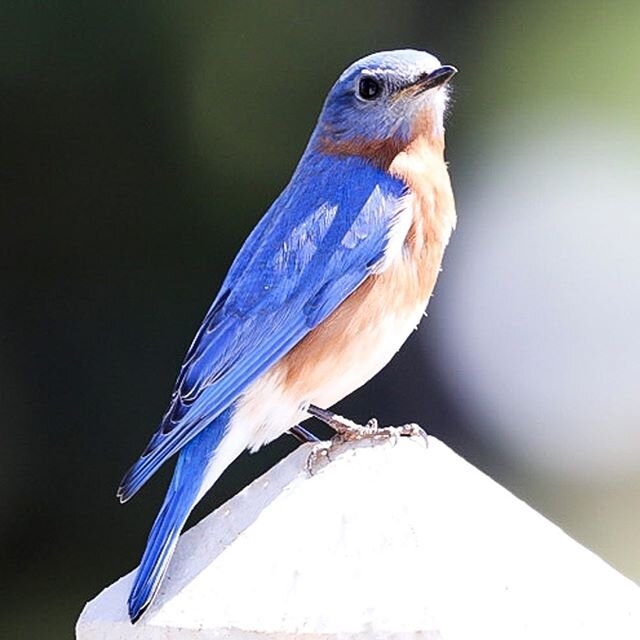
(394, 540)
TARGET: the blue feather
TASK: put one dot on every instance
(180, 499)
(312, 249)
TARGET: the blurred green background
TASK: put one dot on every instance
(141, 141)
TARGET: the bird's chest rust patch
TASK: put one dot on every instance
(421, 166)
(371, 325)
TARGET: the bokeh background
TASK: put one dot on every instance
(141, 141)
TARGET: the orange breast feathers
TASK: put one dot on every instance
(370, 326)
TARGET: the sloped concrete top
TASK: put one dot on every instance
(392, 540)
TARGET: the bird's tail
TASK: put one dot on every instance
(197, 468)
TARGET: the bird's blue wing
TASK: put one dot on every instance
(321, 238)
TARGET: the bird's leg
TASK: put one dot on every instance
(302, 435)
(347, 430)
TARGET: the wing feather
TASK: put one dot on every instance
(303, 259)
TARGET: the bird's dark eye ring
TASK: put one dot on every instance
(369, 88)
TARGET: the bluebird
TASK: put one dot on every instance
(323, 293)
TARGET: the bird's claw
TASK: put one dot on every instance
(372, 423)
(413, 430)
(318, 456)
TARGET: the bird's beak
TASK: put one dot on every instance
(437, 78)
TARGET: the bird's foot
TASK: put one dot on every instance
(349, 431)
(320, 454)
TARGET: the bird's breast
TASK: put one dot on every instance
(368, 328)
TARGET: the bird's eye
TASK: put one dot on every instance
(369, 88)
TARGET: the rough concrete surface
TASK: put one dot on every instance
(392, 540)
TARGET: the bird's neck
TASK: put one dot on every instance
(382, 152)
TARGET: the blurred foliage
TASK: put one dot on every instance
(140, 143)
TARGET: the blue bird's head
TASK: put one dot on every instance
(384, 101)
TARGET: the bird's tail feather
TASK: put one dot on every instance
(160, 546)
(193, 470)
